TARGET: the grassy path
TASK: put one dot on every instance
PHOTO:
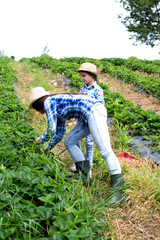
(139, 217)
(27, 77)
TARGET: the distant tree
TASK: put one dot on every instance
(142, 20)
(45, 51)
(2, 54)
(132, 58)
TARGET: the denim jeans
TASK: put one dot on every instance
(89, 149)
(97, 127)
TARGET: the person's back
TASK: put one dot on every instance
(68, 106)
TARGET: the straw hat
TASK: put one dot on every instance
(88, 67)
(35, 94)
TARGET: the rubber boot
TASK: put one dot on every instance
(83, 168)
(117, 183)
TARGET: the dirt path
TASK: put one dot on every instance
(129, 92)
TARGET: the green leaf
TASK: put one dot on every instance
(61, 223)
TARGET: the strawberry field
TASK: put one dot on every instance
(133, 119)
(40, 199)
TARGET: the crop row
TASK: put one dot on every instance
(116, 67)
(39, 200)
(149, 84)
(133, 118)
(136, 64)
(124, 69)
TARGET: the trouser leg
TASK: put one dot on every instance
(82, 165)
(77, 133)
(97, 123)
(99, 130)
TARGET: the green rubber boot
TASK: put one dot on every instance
(83, 168)
(117, 183)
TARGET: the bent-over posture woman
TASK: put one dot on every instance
(92, 119)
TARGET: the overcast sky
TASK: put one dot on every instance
(70, 28)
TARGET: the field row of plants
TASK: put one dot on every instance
(149, 84)
(39, 200)
(116, 67)
(132, 118)
(124, 69)
(144, 66)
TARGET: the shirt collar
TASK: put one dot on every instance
(93, 85)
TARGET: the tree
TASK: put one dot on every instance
(143, 20)
(2, 54)
(46, 51)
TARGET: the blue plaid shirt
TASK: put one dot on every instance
(60, 108)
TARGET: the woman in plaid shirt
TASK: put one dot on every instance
(92, 119)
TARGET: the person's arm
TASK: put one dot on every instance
(50, 110)
(60, 131)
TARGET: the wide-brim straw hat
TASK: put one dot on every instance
(88, 67)
(35, 94)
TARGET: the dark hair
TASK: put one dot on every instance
(38, 104)
(91, 74)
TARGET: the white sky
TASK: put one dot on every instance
(70, 28)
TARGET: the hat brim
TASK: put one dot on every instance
(38, 97)
(79, 70)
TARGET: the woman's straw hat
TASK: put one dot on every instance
(88, 67)
(35, 94)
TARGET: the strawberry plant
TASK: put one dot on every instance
(39, 200)
(136, 64)
(149, 84)
(133, 118)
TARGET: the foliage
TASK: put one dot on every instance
(145, 66)
(149, 84)
(132, 118)
(66, 68)
(124, 139)
(143, 20)
(39, 200)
